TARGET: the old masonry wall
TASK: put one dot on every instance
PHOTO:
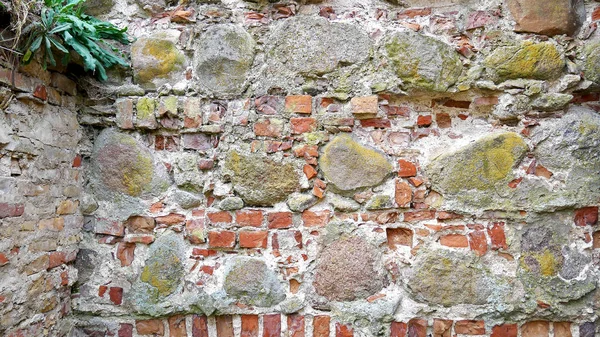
(322, 168)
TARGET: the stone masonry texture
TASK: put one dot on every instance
(310, 168)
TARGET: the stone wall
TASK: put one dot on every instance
(336, 168)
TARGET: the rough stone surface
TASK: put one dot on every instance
(591, 65)
(157, 60)
(347, 270)
(224, 55)
(252, 282)
(540, 61)
(313, 45)
(422, 62)
(261, 181)
(549, 18)
(350, 165)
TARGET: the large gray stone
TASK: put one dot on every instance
(313, 45)
(156, 60)
(252, 282)
(224, 55)
(349, 165)
(591, 65)
(540, 61)
(347, 270)
(422, 62)
(261, 181)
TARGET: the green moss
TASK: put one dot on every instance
(540, 61)
(145, 107)
(592, 62)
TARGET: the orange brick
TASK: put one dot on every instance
(364, 107)
(469, 327)
(250, 218)
(220, 217)
(256, 239)
(316, 218)
(279, 220)
(299, 104)
(221, 239)
(302, 125)
(454, 240)
(399, 237)
(406, 169)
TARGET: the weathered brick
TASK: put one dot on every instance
(378, 123)
(497, 236)
(140, 224)
(221, 239)
(3, 259)
(587, 216)
(250, 218)
(249, 326)
(269, 127)
(195, 230)
(277, 220)
(315, 218)
(125, 253)
(298, 104)
(295, 325)
(406, 169)
(442, 328)
(125, 330)
(419, 216)
(364, 107)
(177, 326)
(343, 330)
(443, 120)
(424, 121)
(504, 330)
(150, 327)
(302, 125)
(11, 210)
(254, 239)
(109, 227)
(417, 327)
(170, 219)
(124, 117)
(454, 240)
(116, 295)
(535, 329)
(272, 325)
(321, 326)
(56, 225)
(309, 171)
(397, 237)
(561, 329)
(199, 326)
(220, 217)
(469, 327)
(197, 141)
(67, 207)
(403, 194)
(478, 242)
(398, 329)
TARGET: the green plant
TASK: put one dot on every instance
(63, 27)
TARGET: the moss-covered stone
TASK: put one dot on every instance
(422, 62)
(261, 181)
(163, 270)
(541, 61)
(251, 282)
(224, 55)
(477, 172)
(348, 165)
(156, 59)
(591, 64)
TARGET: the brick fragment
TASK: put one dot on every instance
(364, 107)
(535, 329)
(177, 326)
(125, 330)
(170, 219)
(469, 327)
(220, 217)
(116, 295)
(478, 242)
(504, 330)
(249, 326)
(397, 237)
(587, 216)
(125, 253)
(398, 329)
(295, 324)
(315, 218)
(150, 327)
(454, 240)
(309, 171)
(406, 169)
(417, 327)
(419, 216)
(562, 329)
(497, 236)
(343, 330)
(321, 326)
(403, 194)
(442, 328)
(302, 125)
(424, 121)
(8, 210)
(269, 127)
(272, 325)
(298, 104)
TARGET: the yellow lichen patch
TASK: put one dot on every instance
(548, 264)
(164, 58)
(164, 282)
(529, 60)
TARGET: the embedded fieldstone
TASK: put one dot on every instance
(156, 60)
(551, 101)
(299, 202)
(187, 174)
(347, 270)
(231, 203)
(163, 271)
(260, 181)
(547, 17)
(422, 62)
(98, 7)
(313, 45)
(591, 65)
(451, 278)
(349, 165)
(541, 61)
(252, 282)
(477, 173)
(224, 55)
(120, 164)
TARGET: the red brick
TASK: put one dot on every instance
(3, 259)
(116, 295)
(249, 218)
(424, 121)
(469, 327)
(535, 329)
(256, 239)
(279, 220)
(295, 325)
(504, 330)
(497, 236)
(125, 253)
(454, 240)
(419, 216)
(55, 259)
(378, 123)
(224, 326)
(11, 210)
(124, 116)
(150, 327)
(125, 330)
(309, 171)
(315, 218)
(299, 104)
(403, 194)
(221, 239)
(145, 239)
(478, 242)
(411, 13)
(561, 329)
(406, 169)
(442, 328)
(306, 151)
(206, 164)
(102, 290)
(77, 161)
(272, 325)
(268, 128)
(249, 326)
(448, 215)
(397, 237)
(220, 217)
(398, 329)
(170, 219)
(343, 330)
(321, 326)
(41, 92)
(140, 224)
(417, 327)
(203, 252)
(587, 216)
(177, 326)
(364, 107)
(302, 125)
(443, 120)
